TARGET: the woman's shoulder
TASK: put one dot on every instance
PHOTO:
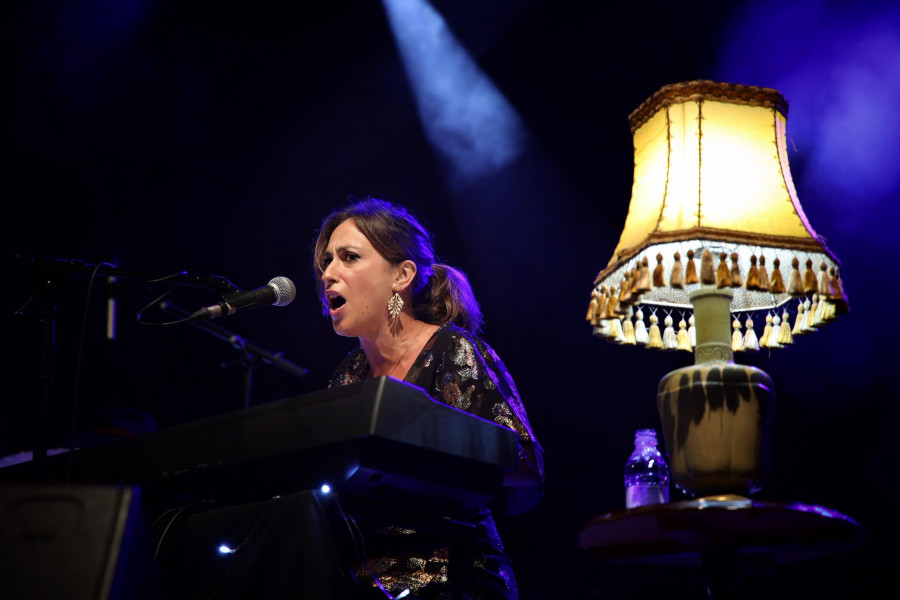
(450, 335)
(453, 332)
(457, 341)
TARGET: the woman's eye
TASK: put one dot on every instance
(351, 257)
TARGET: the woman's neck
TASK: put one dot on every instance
(394, 354)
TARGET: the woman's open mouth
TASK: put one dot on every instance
(335, 302)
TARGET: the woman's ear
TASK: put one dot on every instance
(406, 273)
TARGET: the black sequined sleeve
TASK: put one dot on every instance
(461, 370)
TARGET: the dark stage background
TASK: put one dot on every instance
(164, 135)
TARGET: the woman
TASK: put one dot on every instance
(417, 321)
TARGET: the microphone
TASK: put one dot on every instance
(280, 291)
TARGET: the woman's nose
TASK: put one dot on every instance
(328, 273)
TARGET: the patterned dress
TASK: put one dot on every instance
(459, 369)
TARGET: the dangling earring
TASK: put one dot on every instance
(395, 305)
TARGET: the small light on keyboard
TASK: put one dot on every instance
(325, 488)
(223, 549)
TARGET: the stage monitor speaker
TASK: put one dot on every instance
(74, 542)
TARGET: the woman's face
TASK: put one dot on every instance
(357, 282)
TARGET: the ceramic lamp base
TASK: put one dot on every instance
(717, 423)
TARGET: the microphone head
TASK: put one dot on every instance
(285, 290)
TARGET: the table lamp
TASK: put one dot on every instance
(715, 246)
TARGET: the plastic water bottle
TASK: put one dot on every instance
(646, 472)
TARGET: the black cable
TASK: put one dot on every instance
(168, 526)
(358, 544)
(159, 299)
(221, 586)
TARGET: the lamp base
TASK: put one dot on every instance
(717, 424)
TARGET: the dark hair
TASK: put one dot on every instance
(440, 293)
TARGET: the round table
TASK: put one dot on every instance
(727, 536)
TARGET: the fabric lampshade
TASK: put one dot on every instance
(713, 203)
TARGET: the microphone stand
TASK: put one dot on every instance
(250, 350)
(46, 273)
(46, 375)
(52, 268)
(46, 296)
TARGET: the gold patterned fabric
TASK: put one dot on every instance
(461, 370)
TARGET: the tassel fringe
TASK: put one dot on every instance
(592, 307)
(795, 285)
(825, 288)
(640, 329)
(777, 286)
(670, 340)
(690, 274)
(750, 341)
(773, 324)
(659, 275)
(643, 279)
(628, 332)
(737, 339)
(752, 282)
(612, 305)
(763, 281)
(785, 337)
(655, 340)
(707, 269)
(614, 314)
(682, 337)
(736, 279)
(676, 279)
(810, 283)
(625, 289)
(723, 274)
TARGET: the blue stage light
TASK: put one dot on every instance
(467, 120)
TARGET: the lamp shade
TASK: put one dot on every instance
(713, 202)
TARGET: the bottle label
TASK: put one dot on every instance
(643, 494)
